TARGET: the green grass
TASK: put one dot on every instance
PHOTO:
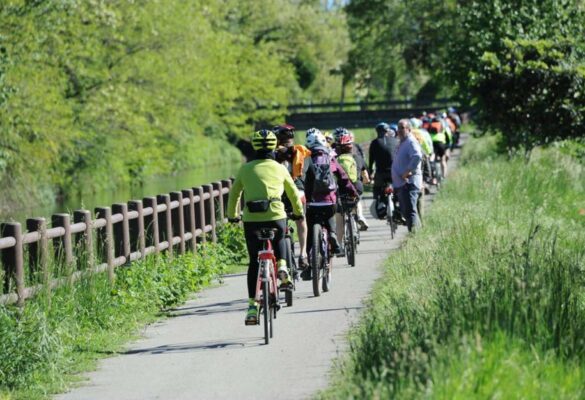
(44, 346)
(488, 301)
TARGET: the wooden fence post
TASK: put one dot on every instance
(38, 251)
(84, 241)
(13, 259)
(166, 223)
(63, 245)
(178, 217)
(210, 211)
(190, 217)
(226, 183)
(200, 214)
(151, 224)
(137, 236)
(106, 240)
(220, 211)
(121, 232)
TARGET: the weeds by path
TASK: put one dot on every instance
(44, 346)
(489, 299)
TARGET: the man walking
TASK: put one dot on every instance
(407, 174)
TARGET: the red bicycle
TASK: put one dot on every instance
(266, 284)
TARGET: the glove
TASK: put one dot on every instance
(297, 217)
(234, 220)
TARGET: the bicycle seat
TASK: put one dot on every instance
(265, 233)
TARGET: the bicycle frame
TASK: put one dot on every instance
(265, 275)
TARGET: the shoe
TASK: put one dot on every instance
(363, 224)
(252, 313)
(306, 274)
(339, 251)
(283, 274)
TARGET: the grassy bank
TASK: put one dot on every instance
(487, 301)
(43, 347)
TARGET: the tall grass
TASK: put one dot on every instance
(46, 343)
(495, 280)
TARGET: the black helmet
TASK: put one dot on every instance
(284, 131)
(382, 128)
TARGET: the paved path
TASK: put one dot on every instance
(205, 352)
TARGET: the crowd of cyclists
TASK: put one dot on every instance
(306, 183)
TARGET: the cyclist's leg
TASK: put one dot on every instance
(328, 217)
(253, 245)
(302, 230)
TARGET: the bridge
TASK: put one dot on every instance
(359, 114)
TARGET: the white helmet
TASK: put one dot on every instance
(316, 139)
(312, 131)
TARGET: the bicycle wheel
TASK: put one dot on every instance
(288, 293)
(266, 310)
(327, 261)
(350, 249)
(390, 217)
(316, 258)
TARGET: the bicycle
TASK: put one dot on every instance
(351, 231)
(320, 258)
(391, 210)
(266, 284)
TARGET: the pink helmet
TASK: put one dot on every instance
(343, 138)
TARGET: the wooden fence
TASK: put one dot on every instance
(126, 232)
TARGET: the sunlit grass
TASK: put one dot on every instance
(499, 265)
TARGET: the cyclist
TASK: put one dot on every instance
(426, 143)
(362, 170)
(382, 151)
(440, 138)
(263, 182)
(296, 155)
(344, 146)
(324, 175)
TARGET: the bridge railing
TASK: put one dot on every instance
(174, 223)
(429, 104)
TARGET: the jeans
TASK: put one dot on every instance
(407, 198)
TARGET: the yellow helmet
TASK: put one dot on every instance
(329, 137)
(264, 140)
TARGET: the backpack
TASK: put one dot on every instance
(324, 180)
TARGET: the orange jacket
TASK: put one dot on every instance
(300, 152)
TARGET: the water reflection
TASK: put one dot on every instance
(154, 186)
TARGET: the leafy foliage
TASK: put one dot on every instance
(520, 64)
(94, 94)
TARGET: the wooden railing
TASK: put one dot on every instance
(116, 236)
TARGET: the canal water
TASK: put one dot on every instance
(152, 187)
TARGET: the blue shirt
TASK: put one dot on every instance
(407, 158)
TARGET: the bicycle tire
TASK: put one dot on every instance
(272, 317)
(350, 250)
(326, 272)
(316, 258)
(265, 311)
(288, 295)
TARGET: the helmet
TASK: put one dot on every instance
(285, 131)
(382, 128)
(329, 137)
(312, 131)
(451, 110)
(264, 140)
(394, 127)
(344, 138)
(339, 132)
(315, 140)
(415, 123)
